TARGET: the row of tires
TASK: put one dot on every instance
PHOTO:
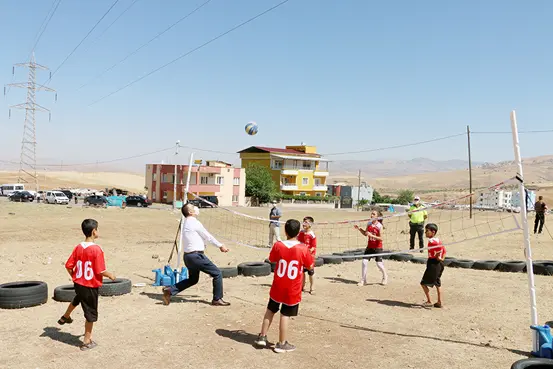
(17, 295)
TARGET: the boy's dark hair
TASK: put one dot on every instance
(185, 210)
(89, 225)
(309, 219)
(433, 227)
(292, 227)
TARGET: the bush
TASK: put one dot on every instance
(282, 196)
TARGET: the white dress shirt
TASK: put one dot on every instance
(193, 236)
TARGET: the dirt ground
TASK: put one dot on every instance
(485, 321)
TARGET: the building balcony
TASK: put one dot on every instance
(288, 187)
(321, 173)
(289, 172)
(320, 188)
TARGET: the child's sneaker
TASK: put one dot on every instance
(261, 340)
(284, 347)
(362, 283)
(384, 281)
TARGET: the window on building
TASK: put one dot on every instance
(153, 196)
(165, 195)
(305, 181)
(277, 164)
(302, 193)
(236, 181)
(220, 181)
(318, 194)
(203, 180)
(234, 198)
(154, 177)
(306, 164)
(317, 181)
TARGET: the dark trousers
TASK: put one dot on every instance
(196, 263)
(540, 220)
(415, 229)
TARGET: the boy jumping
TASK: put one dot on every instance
(87, 267)
(291, 257)
(307, 237)
(434, 265)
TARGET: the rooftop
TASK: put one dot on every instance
(254, 149)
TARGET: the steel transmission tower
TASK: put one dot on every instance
(27, 164)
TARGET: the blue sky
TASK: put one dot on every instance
(341, 75)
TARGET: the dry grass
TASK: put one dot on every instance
(484, 322)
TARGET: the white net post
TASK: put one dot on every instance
(524, 218)
(185, 198)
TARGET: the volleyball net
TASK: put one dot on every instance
(494, 212)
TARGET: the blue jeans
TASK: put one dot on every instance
(197, 263)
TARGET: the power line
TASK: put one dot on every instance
(79, 44)
(509, 132)
(45, 23)
(398, 146)
(146, 44)
(191, 51)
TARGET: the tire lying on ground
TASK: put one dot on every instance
(346, 258)
(118, 287)
(418, 260)
(229, 272)
(319, 262)
(273, 265)
(331, 259)
(533, 363)
(448, 260)
(386, 257)
(544, 267)
(485, 264)
(511, 266)
(462, 263)
(17, 295)
(401, 257)
(254, 269)
(64, 293)
(355, 251)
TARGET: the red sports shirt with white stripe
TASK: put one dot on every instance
(290, 257)
(438, 250)
(374, 228)
(87, 262)
(309, 240)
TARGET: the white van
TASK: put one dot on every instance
(56, 197)
(8, 189)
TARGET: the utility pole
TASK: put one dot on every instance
(27, 162)
(470, 171)
(358, 189)
(175, 176)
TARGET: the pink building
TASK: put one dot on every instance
(215, 178)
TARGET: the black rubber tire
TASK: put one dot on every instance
(418, 260)
(229, 272)
(273, 265)
(485, 264)
(346, 258)
(462, 263)
(511, 266)
(543, 267)
(120, 286)
(401, 257)
(319, 262)
(448, 260)
(64, 293)
(355, 251)
(533, 363)
(386, 257)
(331, 259)
(254, 269)
(17, 295)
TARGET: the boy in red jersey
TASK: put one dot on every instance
(307, 237)
(291, 257)
(434, 265)
(87, 267)
(374, 247)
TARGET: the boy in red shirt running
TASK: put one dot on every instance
(374, 247)
(307, 237)
(291, 257)
(434, 265)
(87, 267)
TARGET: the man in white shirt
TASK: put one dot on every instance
(193, 235)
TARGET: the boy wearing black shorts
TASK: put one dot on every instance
(434, 265)
(290, 257)
(87, 267)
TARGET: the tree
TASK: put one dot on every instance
(405, 197)
(377, 198)
(259, 183)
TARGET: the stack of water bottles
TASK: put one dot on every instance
(168, 276)
(543, 341)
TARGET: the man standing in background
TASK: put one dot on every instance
(274, 225)
(417, 216)
(540, 209)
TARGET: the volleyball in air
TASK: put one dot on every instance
(251, 128)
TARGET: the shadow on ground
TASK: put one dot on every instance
(57, 334)
(241, 336)
(396, 303)
(175, 299)
(341, 280)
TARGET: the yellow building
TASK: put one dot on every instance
(296, 170)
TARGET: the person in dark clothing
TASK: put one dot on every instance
(540, 209)
(417, 216)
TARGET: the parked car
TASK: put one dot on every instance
(137, 201)
(202, 204)
(67, 193)
(21, 196)
(56, 197)
(95, 200)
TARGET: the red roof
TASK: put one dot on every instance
(277, 150)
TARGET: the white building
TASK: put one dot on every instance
(495, 199)
(365, 192)
(517, 200)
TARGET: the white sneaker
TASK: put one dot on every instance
(362, 283)
(384, 281)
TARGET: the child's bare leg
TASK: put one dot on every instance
(267, 320)
(311, 284)
(88, 332)
(303, 282)
(283, 328)
(439, 290)
(426, 292)
(69, 310)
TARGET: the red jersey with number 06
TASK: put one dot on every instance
(309, 240)
(87, 262)
(290, 257)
